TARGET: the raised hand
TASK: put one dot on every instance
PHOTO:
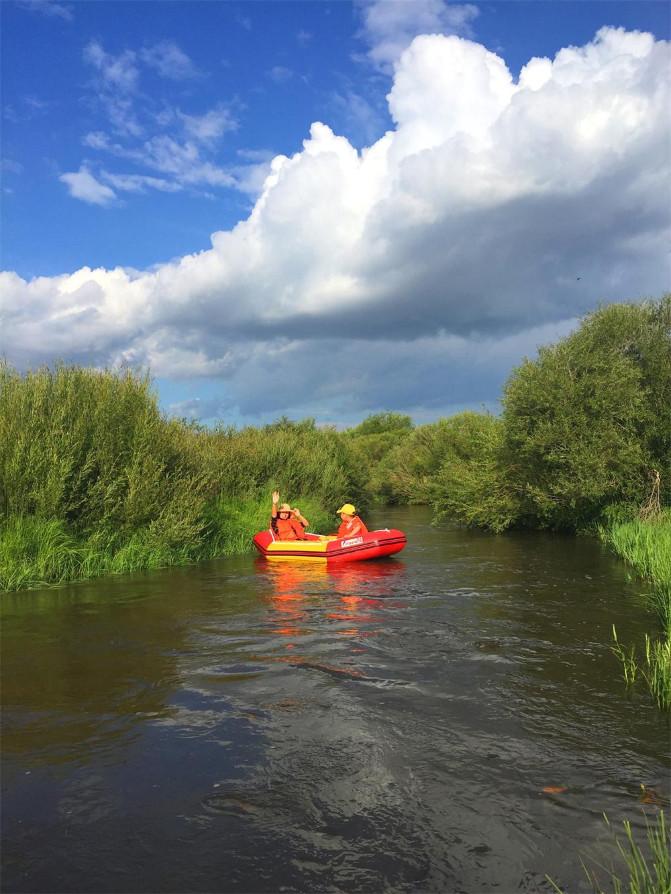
(276, 496)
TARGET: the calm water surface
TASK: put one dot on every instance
(246, 726)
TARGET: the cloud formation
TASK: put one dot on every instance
(83, 185)
(389, 26)
(49, 8)
(494, 212)
(168, 148)
(169, 61)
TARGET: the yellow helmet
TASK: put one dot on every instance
(348, 509)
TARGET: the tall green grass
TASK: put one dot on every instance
(657, 670)
(92, 450)
(646, 545)
(38, 552)
(94, 479)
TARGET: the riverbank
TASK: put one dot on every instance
(94, 479)
(37, 552)
(646, 546)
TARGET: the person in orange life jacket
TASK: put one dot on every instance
(287, 523)
(351, 525)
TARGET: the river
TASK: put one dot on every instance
(390, 726)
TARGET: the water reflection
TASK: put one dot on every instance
(379, 579)
(302, 594)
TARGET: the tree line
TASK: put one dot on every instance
(94, 478)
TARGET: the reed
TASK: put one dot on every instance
(626, 658)
(646, 545)
(95, 480)
(92, 450)
(657, 670)
(38, 552)
(648, 871)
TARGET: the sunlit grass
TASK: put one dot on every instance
(36, 552)
(627, 659)
(95, 480)
(646, 545)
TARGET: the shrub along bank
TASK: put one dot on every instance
(584, 427)
(94, 479)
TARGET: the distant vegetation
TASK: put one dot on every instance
(583, 427)
(94, 479)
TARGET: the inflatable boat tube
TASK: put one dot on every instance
(372, 545)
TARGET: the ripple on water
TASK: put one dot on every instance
(449, 722)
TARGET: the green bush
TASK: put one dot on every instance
(587, 421)
(472, 483)
(94, 479)
(91, 449)
(406, 473)
(368, 446)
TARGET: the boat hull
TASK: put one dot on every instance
(372, 545)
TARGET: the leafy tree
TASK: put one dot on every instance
(286, 424)
(369, 444)
(588, 420)
(407, 473)
(471, 484)
(380, 423)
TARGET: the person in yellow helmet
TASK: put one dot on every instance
(351, 524)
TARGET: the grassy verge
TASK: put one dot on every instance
(95, 480)
(646, 545)
(36, 552)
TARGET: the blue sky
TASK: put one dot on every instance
(408, 272)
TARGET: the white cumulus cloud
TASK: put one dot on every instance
(390, 25)
(493, 210)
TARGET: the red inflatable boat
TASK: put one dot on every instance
(372, 545)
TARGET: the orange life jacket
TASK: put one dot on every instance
(288, 529)
(352, 528)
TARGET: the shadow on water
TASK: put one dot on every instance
(447, 720)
